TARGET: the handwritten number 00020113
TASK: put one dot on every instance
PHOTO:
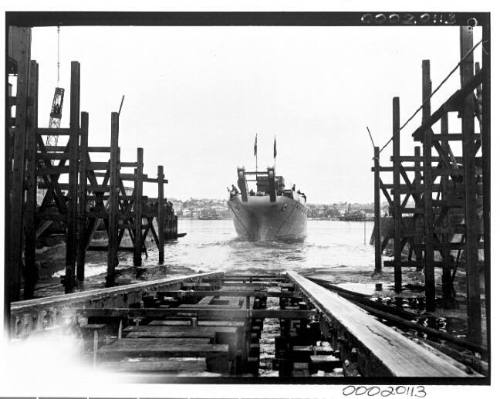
(417, 391)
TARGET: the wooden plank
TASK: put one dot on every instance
(128, 164)
(54, 170)
(162, 347)
(151, 331)
(171, 322)
(223, 293)
(405, 358)
(451, 136)
(153, 180)
(221, 323)
(138, 186)
(173, 365)
(99, 149)
(255, 277)
(52, 156)
(53, 132)
(101, 294)
(200, 312)
(98, 165)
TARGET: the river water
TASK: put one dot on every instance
(213, 245)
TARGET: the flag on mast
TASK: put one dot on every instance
(275, 151)
(255, 146)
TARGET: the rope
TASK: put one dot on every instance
(434, 91)
(371, 138)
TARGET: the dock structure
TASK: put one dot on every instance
(62, 190)
(211, 324)
(439, 195)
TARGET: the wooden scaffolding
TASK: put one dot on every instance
(439, 195)
(76, 195)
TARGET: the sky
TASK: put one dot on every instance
(195, 97)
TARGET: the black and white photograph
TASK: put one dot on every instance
(229, 199)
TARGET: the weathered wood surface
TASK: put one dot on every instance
(224, 293)
(196, 347)
(152, 331)
(398, 354)
(221, 323)
(173, 365)
(77, 299)
(184, 322)
(203, 312)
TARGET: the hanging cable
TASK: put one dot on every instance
(434, 91)
(371, 138)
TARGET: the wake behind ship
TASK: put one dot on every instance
(272, 212)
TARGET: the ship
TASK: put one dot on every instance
(269, 213)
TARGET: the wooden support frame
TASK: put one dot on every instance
(453, 190)
(471, 219)
(65, 206)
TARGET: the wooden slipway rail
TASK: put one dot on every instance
(385, 348)
(222, 324)
(35, 315)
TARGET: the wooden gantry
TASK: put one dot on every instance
(78, 195)
(439, 196)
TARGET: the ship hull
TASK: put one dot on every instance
(259, 219)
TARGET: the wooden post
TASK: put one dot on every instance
(74, 126)
(161, 217)
(430, 289)
(82, 199)
(113, 201)
(19, 44)
(446, 278)
(418, 182)
(376, 206)
(471, 218)
(138, 208)
(486, 164)
(397, 199)
(30, 272)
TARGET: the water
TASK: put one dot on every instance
(213, 245)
